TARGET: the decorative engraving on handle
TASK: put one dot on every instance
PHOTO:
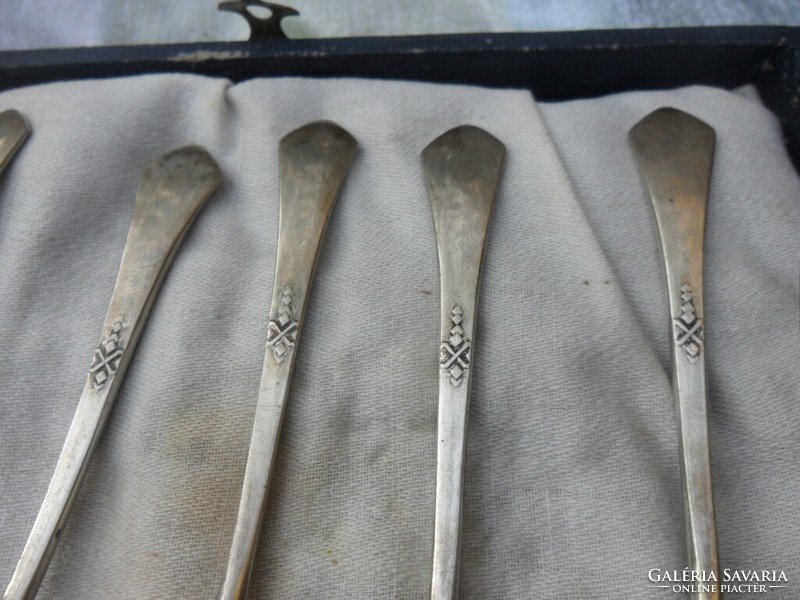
(689, 327)
(106, 357)
(281, 331)
(455, 350)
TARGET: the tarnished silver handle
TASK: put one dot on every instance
(314, 161)
(674, 152)
(14, 130)
(171, 193)
(462, 168)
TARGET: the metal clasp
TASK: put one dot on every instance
(261, 29)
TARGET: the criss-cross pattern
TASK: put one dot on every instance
(455, 350)
(281, 331)
(107, 357)
(689, 327)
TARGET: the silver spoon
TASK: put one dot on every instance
(462, 169)
(674, 152)
(171, 193)
(314, 161)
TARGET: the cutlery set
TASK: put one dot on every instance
(462, 168)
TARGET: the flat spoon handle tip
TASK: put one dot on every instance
(14, 131)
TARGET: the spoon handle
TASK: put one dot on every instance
(462, 168)
(314, 161)
(674, 152)
(171, 193)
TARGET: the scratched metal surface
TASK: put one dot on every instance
(59, 23)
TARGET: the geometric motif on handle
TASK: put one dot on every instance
(281, 331)
(689, 327)
(455, 350)
(107, 357)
